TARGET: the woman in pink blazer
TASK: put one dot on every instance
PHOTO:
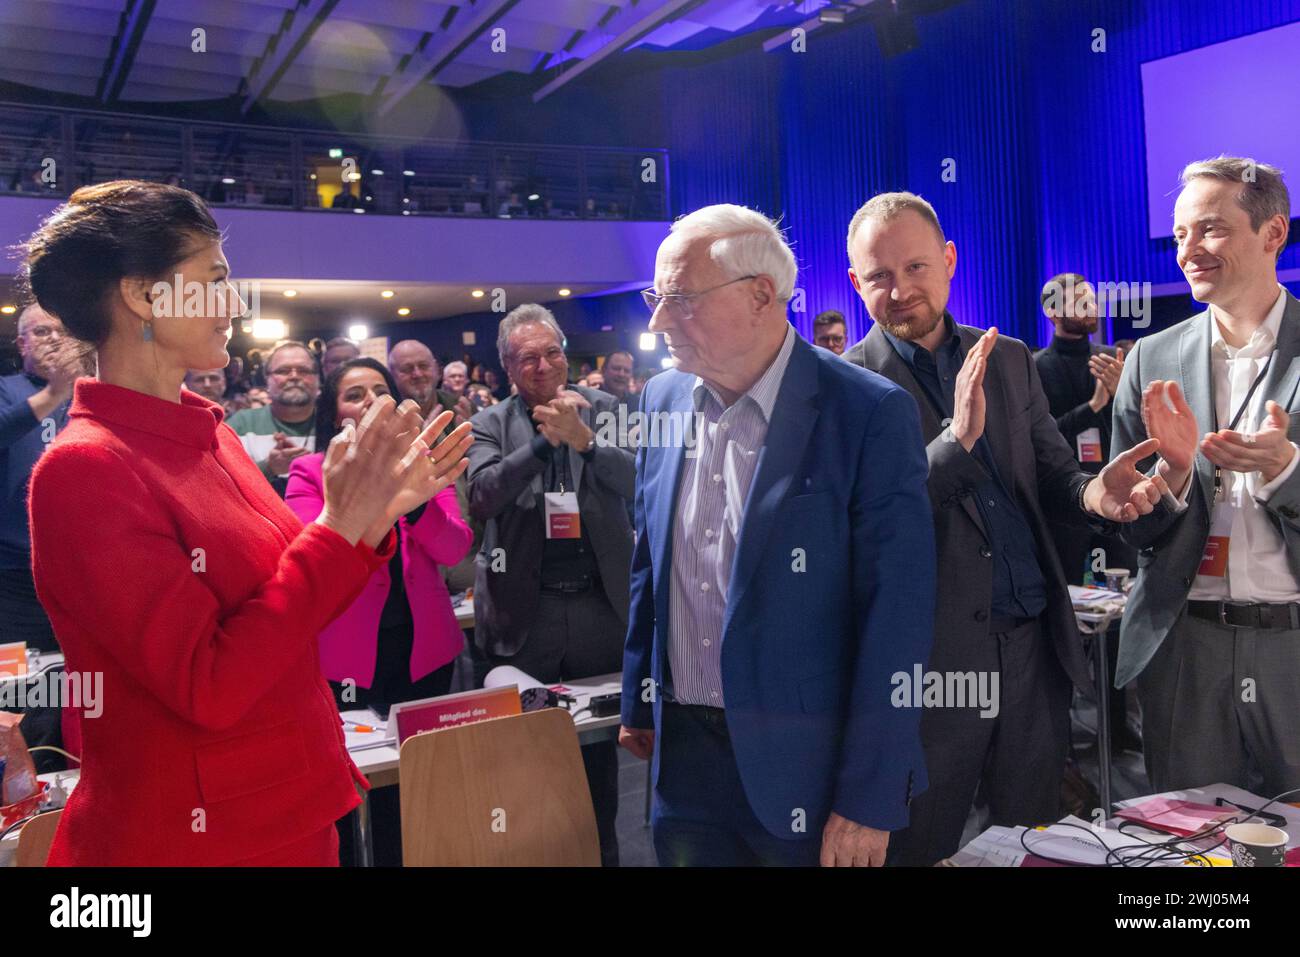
(398, 640)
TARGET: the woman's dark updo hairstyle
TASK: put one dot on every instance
(327, 403)
(103, 234)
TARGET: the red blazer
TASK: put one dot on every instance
(349, 644)
(167, 563)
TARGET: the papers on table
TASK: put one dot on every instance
(1080, 843)
(1094, 605)
(358, 740)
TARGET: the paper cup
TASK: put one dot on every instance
(1256, 845)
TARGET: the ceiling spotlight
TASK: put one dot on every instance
(269, 329)
(406, 212)
(8, 310)
(376, 172)
(353, 177)
(566, 291)
(478, 294)
(358, 331)
(387, 294)
(312, 176)
(831, 15)
(358, 210)
(404, 311)
(647, 342)
(290, 293)
(533, 197)
(336, 153)
(666, 362)
(228, 180)
(408, 172)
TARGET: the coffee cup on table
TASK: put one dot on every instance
(1256, 845)
(1116, 579)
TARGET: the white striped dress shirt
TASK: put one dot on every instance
(710, 512)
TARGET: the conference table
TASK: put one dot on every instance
(1075, 842)
(381, 766)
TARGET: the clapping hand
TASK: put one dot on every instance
(560, 422)
(1121, 493)
(367, 470)
(1267, 451)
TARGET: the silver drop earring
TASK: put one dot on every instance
(147, 331)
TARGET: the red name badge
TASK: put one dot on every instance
(562, 515)
(1089, 445)
(1214, 563)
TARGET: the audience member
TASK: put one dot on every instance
(553, 502)
(1210, 631)
(998, 467)
(337, 351)
(830, 331)
(1080, 379)
(276, 434)
(454, 379)
(33, 409)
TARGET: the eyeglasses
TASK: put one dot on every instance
(831, 340)
(530, 360)
(680, 302)
(286, 372)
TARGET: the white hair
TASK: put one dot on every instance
(745, 243)
(456, 366)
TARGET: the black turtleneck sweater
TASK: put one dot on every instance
(1063, 368)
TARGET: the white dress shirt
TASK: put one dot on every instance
(711, 505)
(1258, 570)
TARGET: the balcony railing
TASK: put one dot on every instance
(52, 151)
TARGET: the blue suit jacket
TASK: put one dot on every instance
(807, 656)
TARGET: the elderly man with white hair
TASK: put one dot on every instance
(783, 574)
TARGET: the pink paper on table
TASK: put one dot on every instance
(1176, 817)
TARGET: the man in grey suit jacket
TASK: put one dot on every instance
(998, 466)
(1212, 628)
(551, 581)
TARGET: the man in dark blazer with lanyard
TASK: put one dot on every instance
(1212, 628)
(551, 577)
(998, 465)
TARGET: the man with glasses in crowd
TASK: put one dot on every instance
(276, 434)
(550, 594)
(33, 409)
(830, 331)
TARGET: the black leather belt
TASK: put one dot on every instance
(569, 587)
(1240, 615)
(714, 718)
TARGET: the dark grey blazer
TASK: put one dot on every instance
(1170, 545)
(1031, 455)
(505, 483)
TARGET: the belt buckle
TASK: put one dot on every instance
(1223, 613)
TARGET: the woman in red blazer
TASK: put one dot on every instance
(398, 640)
(168, 564)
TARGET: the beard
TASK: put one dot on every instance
(1079, 325)
(294, 395)
(916, 325)
(420, 394)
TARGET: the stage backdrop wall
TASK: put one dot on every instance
(1041, 135)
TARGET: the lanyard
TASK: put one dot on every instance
(1218, 472)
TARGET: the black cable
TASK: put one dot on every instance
(1155, 852)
